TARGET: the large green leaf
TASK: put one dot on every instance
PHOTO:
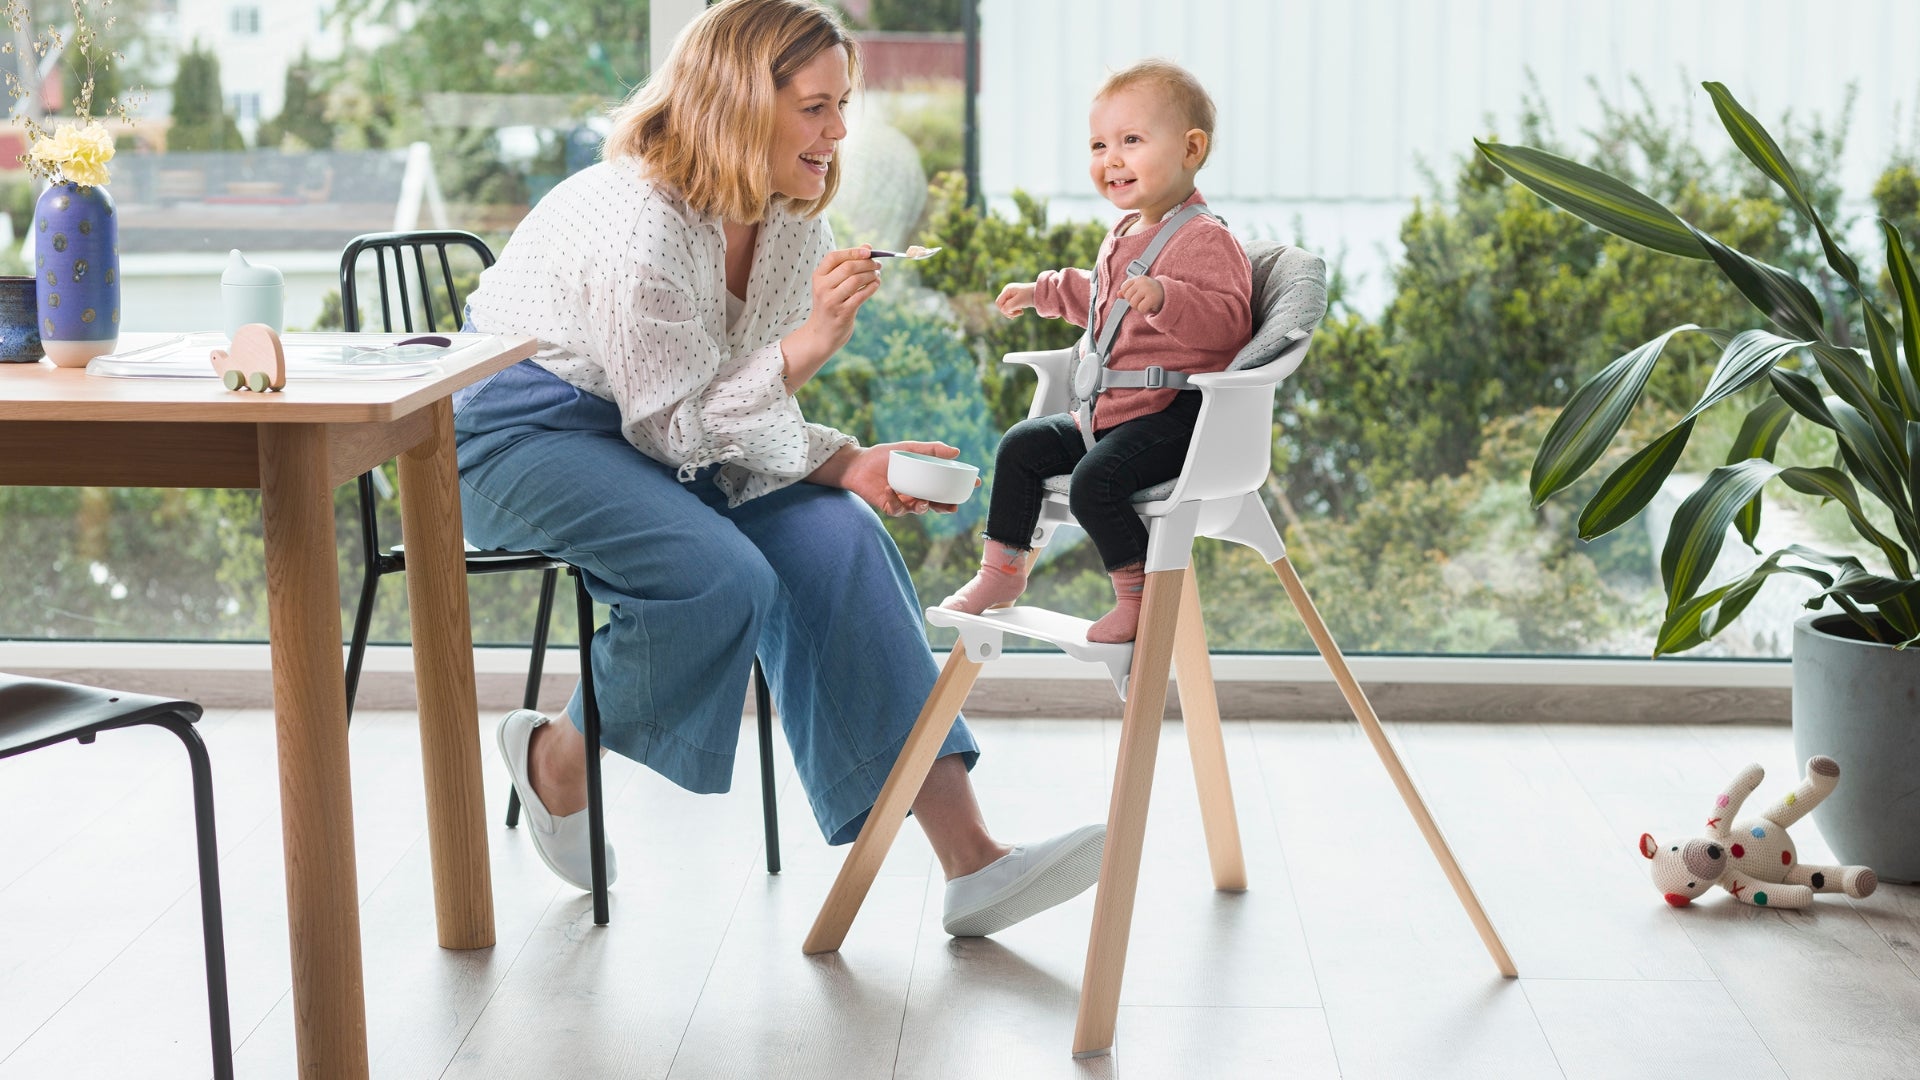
(1897, 599)
(1759, 437)
(1913, 469)
(1801, 394)
(1866, 457)
(1833, 484)
(1753, 141)
(1780, 296)
(1699, 526)
(1906, 286)
(1583, 429)
(1854, 382)
(1628, 489)
(1745, 360)
(1595, 197)
(1680, 630)
(1703, 616)
(1883, 347)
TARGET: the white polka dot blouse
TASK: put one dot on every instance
(624, 285)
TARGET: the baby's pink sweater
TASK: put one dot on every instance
(1207, 317)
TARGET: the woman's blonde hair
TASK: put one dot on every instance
(1189, 99)
(704, 123)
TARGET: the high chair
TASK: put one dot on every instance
(1217, 495)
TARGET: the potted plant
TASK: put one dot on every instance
(1856, 681)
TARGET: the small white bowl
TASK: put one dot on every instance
(940, 480)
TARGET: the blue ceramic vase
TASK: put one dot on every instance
(76, 257)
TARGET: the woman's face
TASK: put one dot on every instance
(809, 122)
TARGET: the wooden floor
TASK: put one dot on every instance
(1347, 957)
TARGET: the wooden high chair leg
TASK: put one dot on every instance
(1127, 814)
(1363, 712)
(890, 807)
(1200, 709)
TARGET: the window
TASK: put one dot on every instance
(244, 107)
(1461, 321)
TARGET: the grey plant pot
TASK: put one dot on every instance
(1859, 703)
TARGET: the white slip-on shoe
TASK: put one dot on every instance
(563, 843)
(1026, 881)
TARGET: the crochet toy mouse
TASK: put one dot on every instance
(1753, 858)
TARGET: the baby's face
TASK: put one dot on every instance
(1138, 147)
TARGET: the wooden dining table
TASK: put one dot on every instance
(65, 427)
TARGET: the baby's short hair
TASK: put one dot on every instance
(1184, 92)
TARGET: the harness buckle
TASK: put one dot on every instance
(1156, 377)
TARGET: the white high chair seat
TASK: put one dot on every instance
(1232, 435)
(1217, 489)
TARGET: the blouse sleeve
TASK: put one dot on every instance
(682, 390)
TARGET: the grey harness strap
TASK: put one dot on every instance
(1091, 376)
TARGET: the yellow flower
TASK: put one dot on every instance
(93, 148)
(78, 154)
(54, 150)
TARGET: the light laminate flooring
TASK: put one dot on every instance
(1348, 956)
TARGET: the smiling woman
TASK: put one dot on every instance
(653, 441)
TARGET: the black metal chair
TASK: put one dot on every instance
(419, 292)
(40, 712)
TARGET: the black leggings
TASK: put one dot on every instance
(1126, 458)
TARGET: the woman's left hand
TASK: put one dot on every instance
(863, 471)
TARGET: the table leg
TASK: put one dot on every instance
(443, 677)
(310, 719)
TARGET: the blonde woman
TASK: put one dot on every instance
(681, 291)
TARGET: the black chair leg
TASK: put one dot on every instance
(211, 927)
(531, 700)
(362, 626)
(769, 809)
(596, 810)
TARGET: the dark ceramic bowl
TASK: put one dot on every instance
(19, 326)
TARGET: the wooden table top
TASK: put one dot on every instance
(43, 392)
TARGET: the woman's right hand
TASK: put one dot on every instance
(843, 281)
(1015, 298)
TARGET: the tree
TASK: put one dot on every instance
(918, 15)
(303, 114)
(200, 118)
(594, 48)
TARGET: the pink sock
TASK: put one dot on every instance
(1001, 580)
(1123, 622)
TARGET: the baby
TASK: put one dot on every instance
(1191, 311)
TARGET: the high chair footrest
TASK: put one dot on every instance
(982, 634)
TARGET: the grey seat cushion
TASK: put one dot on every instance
(1060, 485)
(1289, 293)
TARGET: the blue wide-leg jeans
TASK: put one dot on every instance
(805, 577)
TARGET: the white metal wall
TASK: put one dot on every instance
(1328, 110)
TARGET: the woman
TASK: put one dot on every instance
(653, 441)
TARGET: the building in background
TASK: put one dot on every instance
(256, 42)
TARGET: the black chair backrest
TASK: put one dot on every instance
(419, 290)
(419, 297)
